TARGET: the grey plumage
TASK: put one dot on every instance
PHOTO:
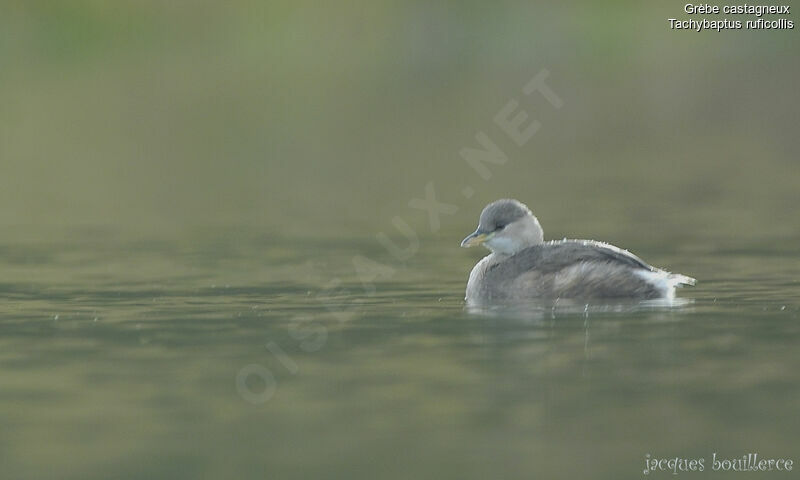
(501, 213)
(523, 266)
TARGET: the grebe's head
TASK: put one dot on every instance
(506, 226)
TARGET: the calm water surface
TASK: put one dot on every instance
(239, 354)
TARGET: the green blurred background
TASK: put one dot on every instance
(305, 118)
(276, 139)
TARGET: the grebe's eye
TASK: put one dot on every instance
(499, 227)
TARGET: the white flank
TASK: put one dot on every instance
(665, 281)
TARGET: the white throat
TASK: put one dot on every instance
(519, 235)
